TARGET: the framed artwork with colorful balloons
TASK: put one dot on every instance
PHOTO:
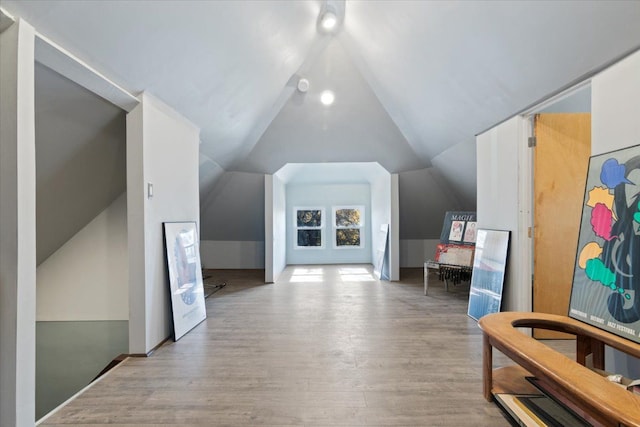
(606, 278)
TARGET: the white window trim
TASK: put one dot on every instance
(323, 235)
(335, 228)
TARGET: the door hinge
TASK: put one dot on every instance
(531, 141)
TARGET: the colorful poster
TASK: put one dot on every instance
(470, 232)
(455, 254)
(457, 239)
(455, 226)
(455, 234)
(606, 279)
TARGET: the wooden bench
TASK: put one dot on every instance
(590, 394)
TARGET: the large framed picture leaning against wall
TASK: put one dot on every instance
(185, 276)
(606, 279)
(489, 267)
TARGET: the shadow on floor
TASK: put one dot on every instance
(234, 280)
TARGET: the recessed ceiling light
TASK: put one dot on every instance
(327, 97)
(329, 21)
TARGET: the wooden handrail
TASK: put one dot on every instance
(579, 384)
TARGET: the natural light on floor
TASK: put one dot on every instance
(307, 275)
(355, 274)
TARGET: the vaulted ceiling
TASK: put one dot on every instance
(414, 81)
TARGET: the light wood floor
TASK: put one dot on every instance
(325, 346)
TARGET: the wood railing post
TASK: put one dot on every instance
(487, 367)
(597, 349)
(583, 349)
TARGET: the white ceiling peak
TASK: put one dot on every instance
(331, 173)
(356, 127)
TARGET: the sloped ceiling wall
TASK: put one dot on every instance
(80, 158)
(424, 198)
(424, 76)
(356, 128)
(448, 70)
(234, 210)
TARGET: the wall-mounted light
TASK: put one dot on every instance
(327, 97)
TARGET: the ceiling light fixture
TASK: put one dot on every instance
(303, 85)
(327, 97)
(328, 21)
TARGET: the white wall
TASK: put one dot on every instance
(425, 197)
(327, 196)
(394, 229)
(136, 196)
(275, 227)
(414, 252)
(232, 254)
(457, 168)
(615, 124)
(269, 237)
(233, 222)
(88, 277)
(234, 209)
(380, 209)
(502, 195)
(615, 106)
(209, 173)
(385, 206)
(162, 149)
(17, 226)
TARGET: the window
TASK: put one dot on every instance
(348, 225)
(308, 228)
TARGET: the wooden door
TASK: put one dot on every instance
(561, 159)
